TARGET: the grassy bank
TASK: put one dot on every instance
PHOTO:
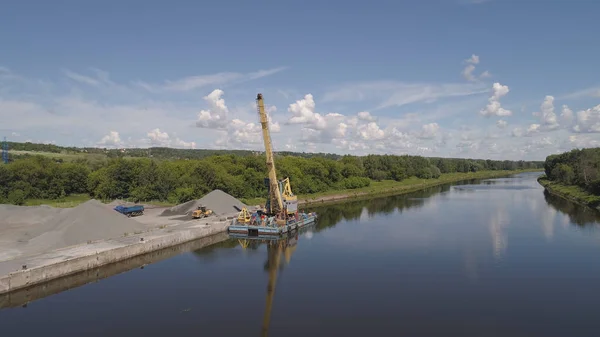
(392, 187)
(571, 192)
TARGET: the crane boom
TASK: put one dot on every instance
(275, 204)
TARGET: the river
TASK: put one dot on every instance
(497, 257)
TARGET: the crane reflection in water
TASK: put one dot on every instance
(279, 254)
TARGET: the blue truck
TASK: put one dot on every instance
(130, 210)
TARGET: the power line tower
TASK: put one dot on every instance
(5, 151)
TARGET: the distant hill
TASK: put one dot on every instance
(69, 152)
(27, 148)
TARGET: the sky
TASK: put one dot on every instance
(491, 79)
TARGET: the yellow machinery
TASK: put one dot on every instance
(201, 212)
(281, 200)
(244, 216)
(274, 202)
(289, 198)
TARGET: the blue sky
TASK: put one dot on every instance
(382, 76)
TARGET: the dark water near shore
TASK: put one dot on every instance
(493, 258)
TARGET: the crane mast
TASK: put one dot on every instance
(275, 203)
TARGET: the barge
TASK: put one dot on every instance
(280, 214)
(261, 225)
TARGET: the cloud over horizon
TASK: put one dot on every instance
(99, 111)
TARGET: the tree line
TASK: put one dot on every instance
(180, 180)
(152, 152)
(578, 167)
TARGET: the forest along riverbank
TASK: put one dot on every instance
(574, 175)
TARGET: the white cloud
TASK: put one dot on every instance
(369, 131)
(593, 92)
(365, 116)
(547, 115)
(501, 124)
(162, 139)
(112, 139)
(588, 120)
(216, 116)
(393, 93)
(429, 131)
(202, 81)
(467, 72)
(566, 114)
(494, 108)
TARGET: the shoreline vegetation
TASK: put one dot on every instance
(574, 175)
(572, 193)
(377, 188)
(66, 177)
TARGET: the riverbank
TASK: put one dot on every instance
(392, 187)
(573, 193)
(23, 272)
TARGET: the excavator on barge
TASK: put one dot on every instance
(280, 214)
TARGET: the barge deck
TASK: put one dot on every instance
(269, 227)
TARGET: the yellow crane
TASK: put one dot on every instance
(274, 202)
(281, 198)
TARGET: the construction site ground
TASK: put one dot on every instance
(41, 243)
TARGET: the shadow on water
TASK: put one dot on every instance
(580, 215)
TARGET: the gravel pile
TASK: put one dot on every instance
(218, 201)
(119, 202)
(91, 220)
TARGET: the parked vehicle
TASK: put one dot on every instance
(130, 210)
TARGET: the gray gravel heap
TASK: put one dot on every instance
(218, 201)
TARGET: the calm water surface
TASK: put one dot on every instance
(492, 258)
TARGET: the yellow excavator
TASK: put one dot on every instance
(201, 212)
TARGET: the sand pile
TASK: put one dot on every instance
(218, 201)
(119, 202)
(11, 214)
(91, 220)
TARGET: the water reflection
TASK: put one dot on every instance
(580, 215)
(498, 223)
(279, 254)
(331, 215)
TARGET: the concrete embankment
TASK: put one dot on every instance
(32, 293)
(24, 272)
